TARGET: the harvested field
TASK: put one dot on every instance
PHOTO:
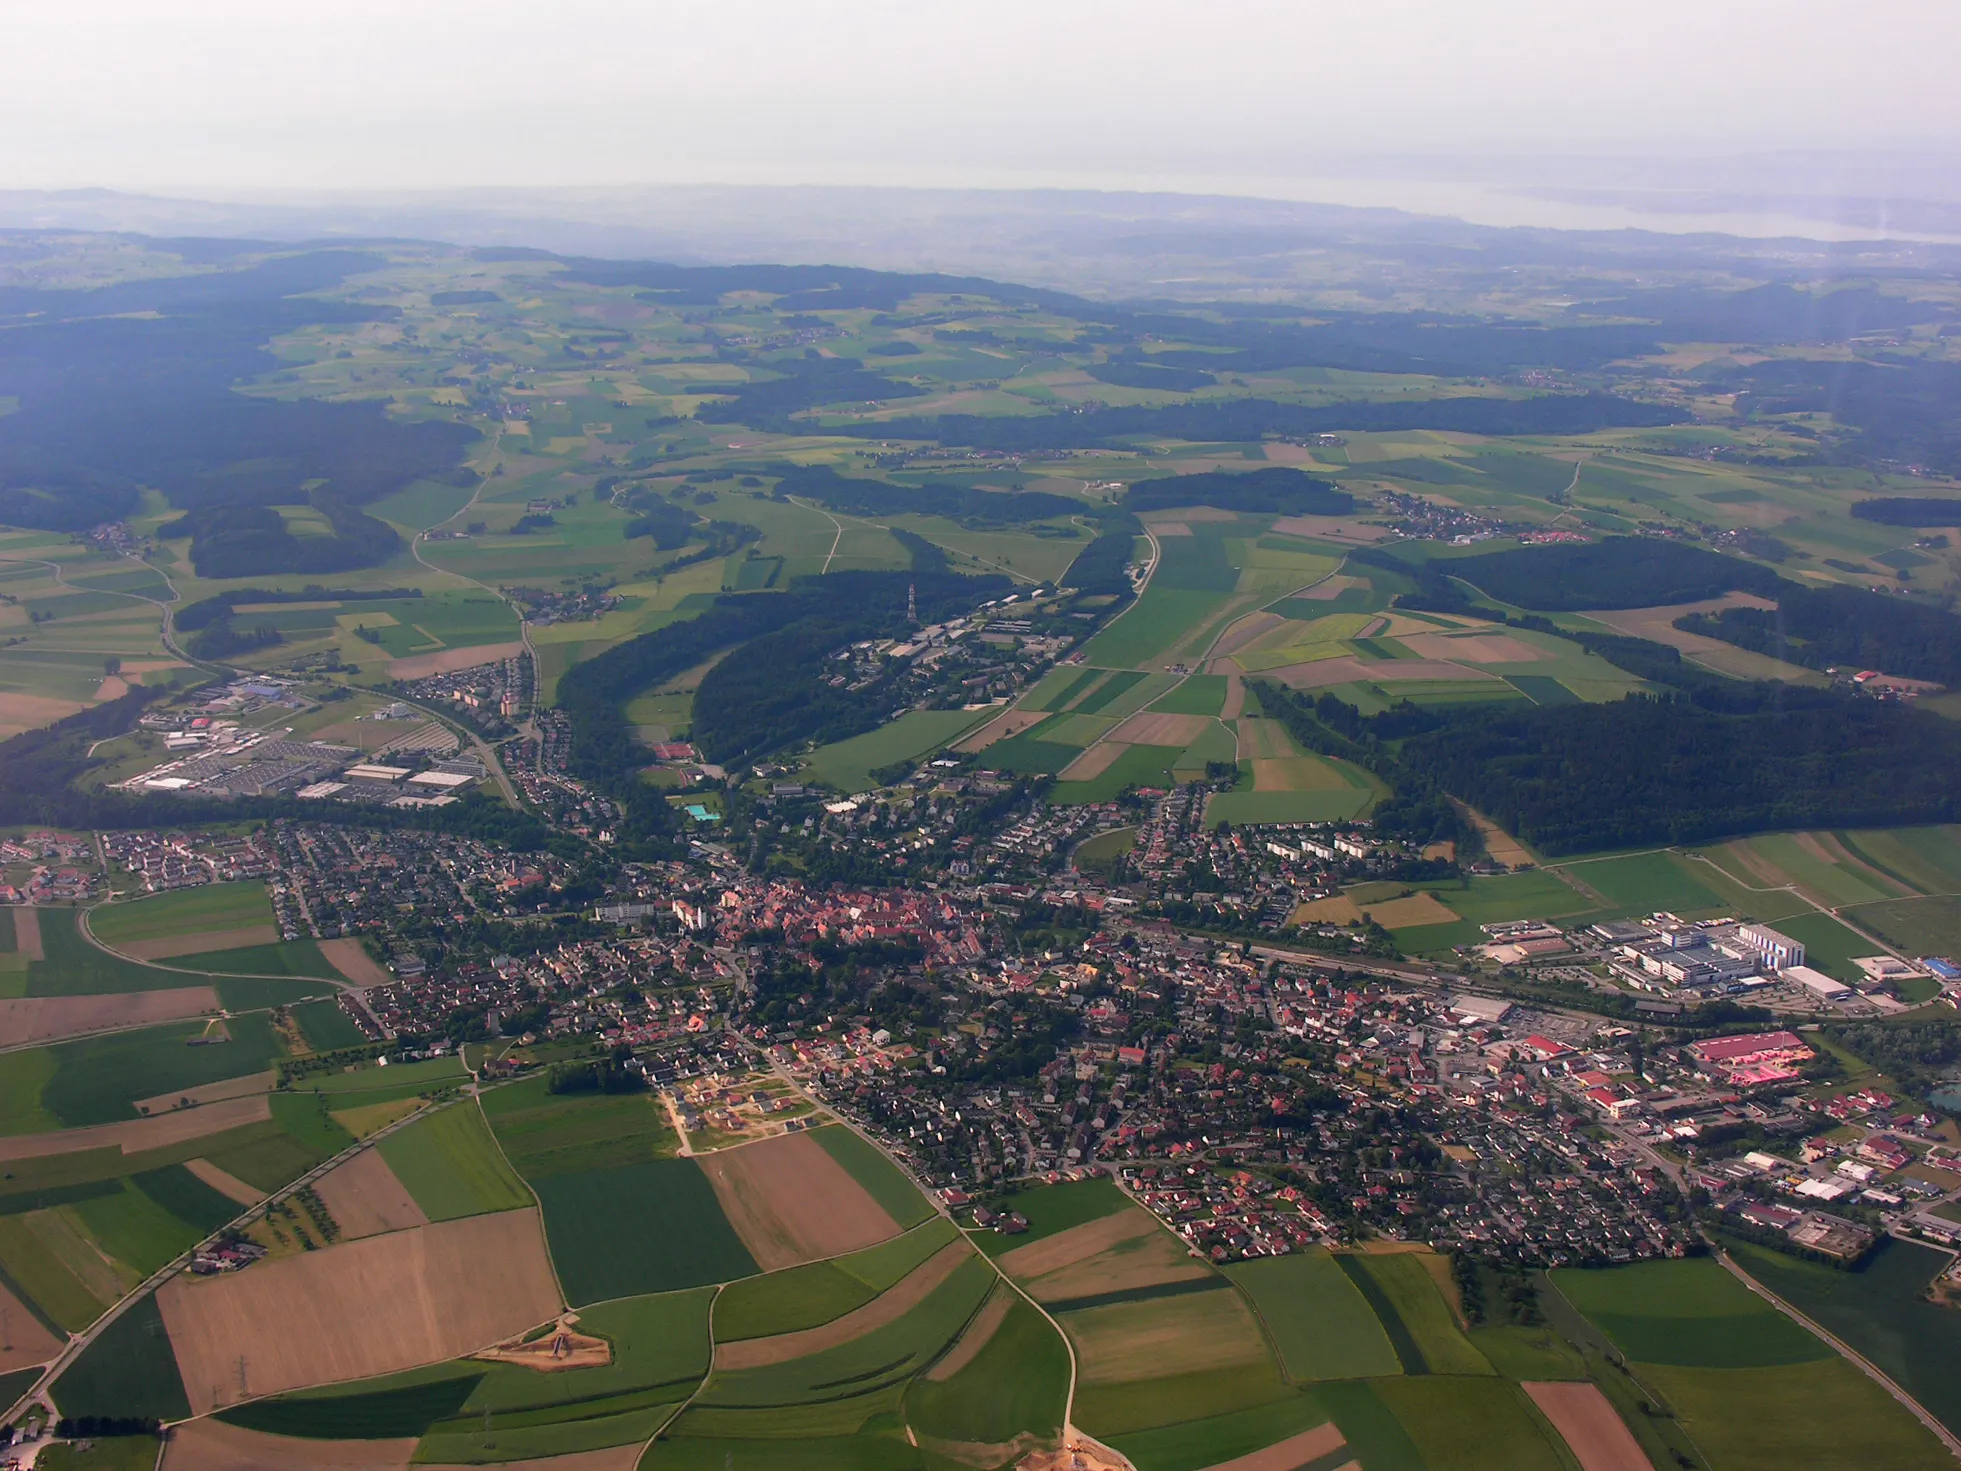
(1262, 739)
(1331, 528)
(448, 661)
(1294, 1452)
(225, 1184)
(1314, 674)
(1417, 909)
(218, 1092)
(1587, 1422)
(1235, 705)
(23, 1341)
(1501, 845)
(1330, 588)
(1095, 761)
(790, 1202)
(212, 1445)
(1012, 722)
(137, 1135)
(987, 1322)
(1172, 528)
(1153, 728)
(366, 1198)
(888, 1307)
(1141, 1340)
(1141, 1261)
(30, 712)
(347, 957)
(1474, 648)
(1340, 909)
(27, 934)
(1077, 1244)
(362, 1308)
(171, 946)
(1296, 774)
(44, 1018)
(1245, 631)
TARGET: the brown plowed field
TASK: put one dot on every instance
(790, 1202)
(137, 1135)
(1235, 705)
(1098, 759)
(31, 712)
(171, 946)
(212, 1445)
(1172, 528)
(23, 1341)
(1587, 1422)
(366, 1198)
(1077, 1244)
(1245, 631)
(1141, 1261)
(448, 661)
(1295, 1451)
(347, 957)
(27, 934)
(361, 1308)
(1154, 728)
(888, 1307)
(966, 1349)
(44, 1018)
(216, 1092)
(225, 1184)
(1330, 588)
(1012, 722)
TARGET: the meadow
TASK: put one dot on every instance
(682, 1238)
(545, 1134)
(452, 1166)
(1321, 1324)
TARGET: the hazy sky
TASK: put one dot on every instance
(226, 94)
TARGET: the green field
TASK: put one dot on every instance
(803, 1297)
(135, 1229)
(1202, 694)
(452, 1167)
(1321, 1324)
(1405, 1297)
(1828, 945)
(73, 967)
(1151, 625)
(1053, 1208)
(1882, 1311)
(639, 1229)
(97, 1080)
(380, 1077)
(1689, 1313)
(848, 765)
(114, 1453)
(1648, 883)
(546, 1134)
(326, 1027)
(1016, 1384)
(884, 1265)
(127, 1370)
(1473, 1424)
(36, 1273)
(1138, 766)
(882, 1179)
(299, 958)
(182, 912)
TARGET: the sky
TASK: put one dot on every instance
(1231, 96)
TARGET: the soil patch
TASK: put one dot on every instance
(1330, 588)
(23, 1341)
(212, 1445)
(1077, 1244)
(27, 934)
(888, 1307)
(1587, 1422)
(790, 1202)
(1172, 528)
(137, 1135)
(1417, 909)
(347, 957)
(113, 687)
(1316, 674)
(362, 1308)
(1296, 774)
(1338, 910)
(216, 1092)
(1235, 704)
(44, 1018)
(447, 661)
(1245, 631)
(1098, 759)
(366, 1198)
(558, 1348)
(1294, 1452)
(1155, 728)
(172, 946)
(31, 712)
(225, 1184)
(1501, 845)
(1012, 722)
(986, 1323)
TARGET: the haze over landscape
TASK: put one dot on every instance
(1079, 738)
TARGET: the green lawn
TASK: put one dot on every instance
(1648, 883)
(882, 1179)
(637, 1229)
(546, 1134)
(326, 1027)
(182, 912)
(452, 1167)
(1319, 1321)
(1828, 945)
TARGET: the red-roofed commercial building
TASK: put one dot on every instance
(1758, 1047)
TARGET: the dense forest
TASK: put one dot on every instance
(806, 383)
(1275, 490)
(1582, 778)
(1136, 373)
(207, 611)
(1910, 510)
(1903, 409)
(1843, 627)
(1617, 572)
(254, 541)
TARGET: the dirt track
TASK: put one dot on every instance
(366, 1198)
(44, 1018)
(887, 1307)
(361, 1308)
(1588, 1424)
(790, 1202)
(137, 1135)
